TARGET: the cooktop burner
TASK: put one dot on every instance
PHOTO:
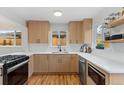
(12, 60)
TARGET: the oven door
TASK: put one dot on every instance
(95, 77)
(17, 75)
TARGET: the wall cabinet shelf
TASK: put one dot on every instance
(115, 41)
(116, 22)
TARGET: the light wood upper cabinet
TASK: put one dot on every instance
(40, 63)
(75, 32)
(72, 32)
(38, 31)
(87, 29)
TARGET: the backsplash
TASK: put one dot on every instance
(6, 50)
(47, 48)
(38, 47)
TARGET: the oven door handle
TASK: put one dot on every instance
(16, 66)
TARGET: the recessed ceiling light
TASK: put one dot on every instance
(57, 13)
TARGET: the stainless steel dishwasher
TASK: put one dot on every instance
(82, 70)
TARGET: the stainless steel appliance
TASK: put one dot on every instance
(13, 69)
(95, 76)
(82, 70)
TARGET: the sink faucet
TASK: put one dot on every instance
(59, 46)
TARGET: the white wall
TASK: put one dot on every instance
(7, 24)
(116, 51)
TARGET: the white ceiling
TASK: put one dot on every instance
(21, 14)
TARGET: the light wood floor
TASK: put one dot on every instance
(54, 79)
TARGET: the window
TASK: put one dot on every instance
(59, 38)
(10, 38)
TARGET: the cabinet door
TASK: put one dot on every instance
(53, 63)
(79, 34)
(65, 65)
(87, 28)
(38, 31)
(59, 63)
(72, 32)
(40, 63)
(75, 32)
(74, 65)
(44, 32)
(34, 32)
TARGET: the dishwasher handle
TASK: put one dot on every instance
(82, 61)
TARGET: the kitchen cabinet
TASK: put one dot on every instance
(38, 31)
(75, 32)
(87, 30)
(74, 64)
(40, 63)
(53, 63)
(59, 63)
(64, 63)
(56, 63)
(30, 66)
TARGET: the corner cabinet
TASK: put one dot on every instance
(38, 31)
(75, 32)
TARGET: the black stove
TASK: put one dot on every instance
(12, 60)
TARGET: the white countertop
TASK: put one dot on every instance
(109, 65)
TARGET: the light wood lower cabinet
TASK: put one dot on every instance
(56, 63)
(53, 63)
(74, 66)
(59, 63)
(40, 63)
(65, 65)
